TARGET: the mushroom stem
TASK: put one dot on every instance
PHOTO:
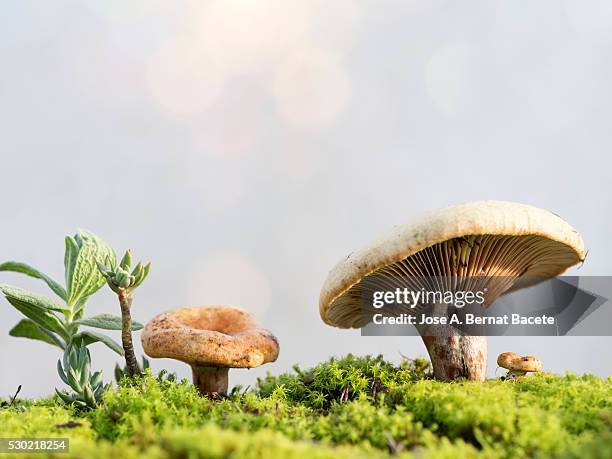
(454, 356)
(210, 380)
(457, 357)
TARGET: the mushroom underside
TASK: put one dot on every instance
(496, 264)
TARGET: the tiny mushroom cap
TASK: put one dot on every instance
(516, 244)
(212, 340)
(516, 363)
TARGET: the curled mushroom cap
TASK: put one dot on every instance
(215, 337)
(516, 363)
(507, 244)
(529, 242)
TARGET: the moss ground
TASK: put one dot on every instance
(349, 407)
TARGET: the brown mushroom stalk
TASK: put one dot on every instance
(456, 357)
(211, 340)
(489, 246)
(210, 380)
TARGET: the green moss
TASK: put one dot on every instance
(41, 421)
(318, 387)
(207, 442)
(349, 407)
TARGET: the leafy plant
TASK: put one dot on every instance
(124, 283)
(58, 322)
(122, 372)
(76, 373)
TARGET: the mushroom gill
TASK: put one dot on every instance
(498, 263)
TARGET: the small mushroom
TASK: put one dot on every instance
(212, 340)
(518, 365)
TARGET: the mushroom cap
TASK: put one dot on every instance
(223, 336)
(514, 362)
(521, 242)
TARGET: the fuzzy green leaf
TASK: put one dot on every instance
(74, 380)
(83, 253)
(96, 379)
(66, 398)
(70, 256)
(61, 372)
(107, 322)
(137, 272)
(86, 279)
(38, 301)
(89, 337)
(126, 261)
(29, 329)
(42, 317)
(145, 273)
(79, 308)
(106, 252)
(28, 270)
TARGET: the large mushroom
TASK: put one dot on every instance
(507, 245)
(212, 340)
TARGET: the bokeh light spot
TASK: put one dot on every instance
(182, 79)
(311, 88)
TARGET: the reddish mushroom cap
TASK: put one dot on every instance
(514, 362)
(223, 336)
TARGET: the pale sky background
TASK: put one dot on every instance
(244, 147)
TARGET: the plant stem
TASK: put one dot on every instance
(125, 302)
